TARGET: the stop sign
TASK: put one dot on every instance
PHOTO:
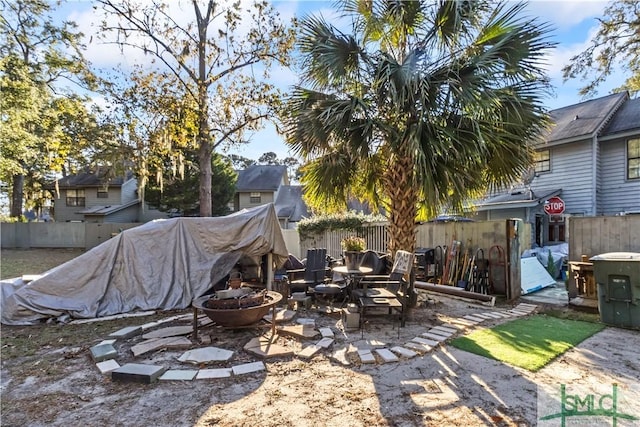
(554, 206)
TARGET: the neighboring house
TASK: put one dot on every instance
(88, 197)
(590, 158)
(258, 185)
(290, 207)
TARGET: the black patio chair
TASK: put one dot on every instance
(315, 272)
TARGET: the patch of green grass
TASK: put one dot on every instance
(529, 343)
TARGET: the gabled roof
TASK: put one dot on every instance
(583, 119)
(519, 198)
(92, 179)
(289, 203)
(260, 178)
(627, 118)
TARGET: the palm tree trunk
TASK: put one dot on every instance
(401, 189)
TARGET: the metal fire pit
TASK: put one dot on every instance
(238, 316)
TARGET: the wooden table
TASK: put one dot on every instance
(352, 276)
(379, 298)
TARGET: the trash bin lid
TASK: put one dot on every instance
(617, 256)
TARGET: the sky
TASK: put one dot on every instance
(573, 22)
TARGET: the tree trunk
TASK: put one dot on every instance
(401, 189)
(17, 194)
(204, 138)
(204, 160)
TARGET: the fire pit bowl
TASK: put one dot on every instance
(238, 316)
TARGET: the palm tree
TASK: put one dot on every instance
(425, 105)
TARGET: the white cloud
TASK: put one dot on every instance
(565, 14)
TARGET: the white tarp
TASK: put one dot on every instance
(164, 264)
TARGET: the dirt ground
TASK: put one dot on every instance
(57, 384)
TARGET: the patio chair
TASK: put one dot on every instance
(314, 272)
(377, 262)
(395, 284)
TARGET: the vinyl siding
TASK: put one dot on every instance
(617, 193)
(92, 199)
(243, 200)
(571, 170)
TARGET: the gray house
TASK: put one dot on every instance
(258, 185)
(89, 196)
(588, 164)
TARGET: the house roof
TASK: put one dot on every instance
(626, 118)
(106, 210)
(517, 198)
(289, 203)
(92, 179)
(260, 178)
(583, 119)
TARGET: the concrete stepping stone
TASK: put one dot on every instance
(503, 314)
(206, 354)
(112, 342)
(435, 337)
(416, 346)
(445, 329)
(204, 321)
(207, 374)
(445, 334)
(158, 343)
(492, 315)
(306, 321)
(179, 375)
(483, 316)
(425, 341)
(266, 347)
(300, 331)
(282, 315)
(386, 355)
(463, 322)
(519, 313)
(247, 368)
(526, 307)
(404, 352)
(474, 319)
(138, 373)
(325, 342)
(103, 352)
(171, 331)
(107, 366)
(366, 356)
(155, 323)
(340, 356)
(326, 332)
(309, 351)
(126, 333)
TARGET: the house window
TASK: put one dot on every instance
(75, 197)
(255, 198)
(633, 159)
(542, 161)
(103, 194)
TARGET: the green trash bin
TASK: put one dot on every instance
(617, 276)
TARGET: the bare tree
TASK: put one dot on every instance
(220, 59)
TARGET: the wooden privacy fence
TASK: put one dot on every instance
(592, 236)
(472, 235)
